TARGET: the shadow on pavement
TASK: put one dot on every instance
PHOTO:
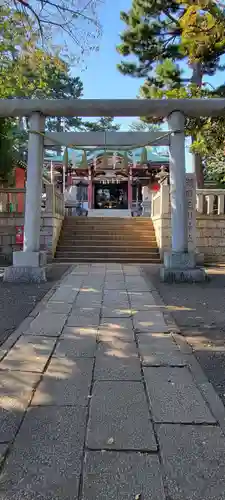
(199, 312)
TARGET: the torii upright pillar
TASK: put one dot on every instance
(29, 265)
(179, 263)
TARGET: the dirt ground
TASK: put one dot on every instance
(199, 311)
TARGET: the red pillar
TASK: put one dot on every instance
(20, 178)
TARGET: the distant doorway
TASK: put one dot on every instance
(111, 196)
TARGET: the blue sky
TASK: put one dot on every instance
(101, 79)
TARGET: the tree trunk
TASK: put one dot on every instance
(196, 78)
(59, 129)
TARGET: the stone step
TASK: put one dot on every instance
(118, 259)
(107, 237)
(106, 245)
(104, 251)
(107, 230)
(107, 240)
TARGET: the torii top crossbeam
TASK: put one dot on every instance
(112, 107)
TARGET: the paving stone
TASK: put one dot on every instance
(30, 353)
(85, 302)
(180, 400)
(16, 390)
(65, 382)
(47, 323)
(119, 417)
(194, 461)
(159, 349)
(132, 270)
(118, 295)
(65, 293)
(76, 346)
(117, 360)
(136, 285)
(81, 331)
(58, 307)
(88, 310)
(116, 312)
(86, 321)
(121, 328)
(115, 285)
(143, 301)
(148, 321)
(122, 476)
(90, 293)
(45, 462)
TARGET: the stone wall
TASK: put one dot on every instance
(50, 231)
(210, 236)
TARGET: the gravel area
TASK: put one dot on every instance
(199, 311)
(18, 300)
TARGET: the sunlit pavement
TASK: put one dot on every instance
(101, 398)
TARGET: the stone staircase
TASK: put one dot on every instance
(107, 239)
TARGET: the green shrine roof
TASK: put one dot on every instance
(154, 155)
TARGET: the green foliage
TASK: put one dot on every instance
(142, 126)
(163, 34)
(101, 125)
(215, 168)
(6, 150)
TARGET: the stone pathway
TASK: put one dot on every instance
(102, 399)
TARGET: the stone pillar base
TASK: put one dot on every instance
(28, 267)
(181, 268)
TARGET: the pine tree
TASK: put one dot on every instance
(165, 34)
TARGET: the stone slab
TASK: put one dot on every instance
(58, 307)
(84, 302)
(29, 259)
(117, 360)
(80, 331)
(115, 285)
(29, 354)
(174, 396)
(174, 275)
(119, 417)
(85, 321)
(87, 310)
(121, 328)
(45, 462)
(116, 312)
(194, 461)
(77, 346)
(47, 324)
(179, 260)
(16, 389)
(117, 476)
(65, 293)
(143, 301)
(24, 274)
(145, 321)
(65, 382)
(136, 286)
(112, 295)
(159, 349)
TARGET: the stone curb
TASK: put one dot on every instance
(206, 388)
(12, 339)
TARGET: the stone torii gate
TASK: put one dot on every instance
(29, 265)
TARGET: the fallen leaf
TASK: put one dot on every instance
(110, 441)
